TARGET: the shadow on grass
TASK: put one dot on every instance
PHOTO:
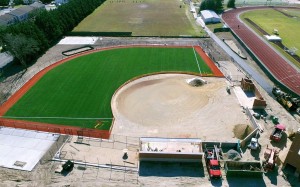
(171, 169)
(246, 181)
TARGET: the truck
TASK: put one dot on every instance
(277, 133)
(211, 156)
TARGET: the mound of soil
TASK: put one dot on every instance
(241, 131)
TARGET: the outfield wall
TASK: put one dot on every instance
(53, 128)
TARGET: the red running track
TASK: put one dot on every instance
(275, 64)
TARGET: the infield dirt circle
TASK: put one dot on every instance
(165, 105)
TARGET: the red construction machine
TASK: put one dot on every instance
(277, 133)
(212, 162)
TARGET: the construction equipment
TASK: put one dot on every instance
(254, 145)
(277, 133)
(68, 166)
(286, 100)
(212, 156)
(270, 156)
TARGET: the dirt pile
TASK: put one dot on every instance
(241, 131)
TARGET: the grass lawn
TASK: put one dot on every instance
(142, 18)
(271, 19)
(83, 87)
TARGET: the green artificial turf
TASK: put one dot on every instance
(142, 18)
(83, 87)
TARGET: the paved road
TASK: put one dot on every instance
(247, 68)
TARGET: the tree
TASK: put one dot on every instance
(208, 5)
(46, 1)
(231, 4)
(218, 6)
(4, 2)
(21, 47)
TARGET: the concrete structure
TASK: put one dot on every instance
(250, 89)
(22, 149)
(209, 16)
(171, 149)
(246, 169)
(293, 156)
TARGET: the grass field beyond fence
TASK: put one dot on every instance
(288, 27)
(142, 18)
(83, 87)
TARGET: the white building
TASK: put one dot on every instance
(59, 2)
(209, 16)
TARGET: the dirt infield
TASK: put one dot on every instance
(70, 129)
(165, 105)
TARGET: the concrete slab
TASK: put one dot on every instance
(22, 149)
(243, 99)
(78, 40)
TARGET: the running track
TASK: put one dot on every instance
(281, 70)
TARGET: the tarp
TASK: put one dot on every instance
(280, 126)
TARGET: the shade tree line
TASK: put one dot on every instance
(216, 5)
(28, 40)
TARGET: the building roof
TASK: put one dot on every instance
(209, 14)
(4, 19)
(37, 5)
(21, 11)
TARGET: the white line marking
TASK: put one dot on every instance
(197, 60)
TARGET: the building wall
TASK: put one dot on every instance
(293, 157)
(156, 156)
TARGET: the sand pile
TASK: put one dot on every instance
(241, 131)
(196, 82)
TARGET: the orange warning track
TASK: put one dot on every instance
(209, 62)
(72, 130)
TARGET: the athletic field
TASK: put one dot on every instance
(287, 27)
(78, 92)
(142, 18)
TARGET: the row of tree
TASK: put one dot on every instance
(216, 5)
(5, 3)
(28, 40)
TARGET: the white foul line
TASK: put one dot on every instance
(197, 60)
